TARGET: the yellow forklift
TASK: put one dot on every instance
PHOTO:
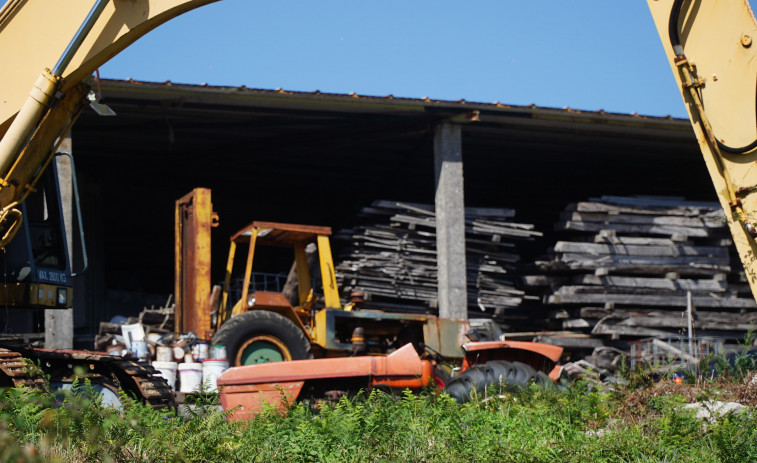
(259, 326)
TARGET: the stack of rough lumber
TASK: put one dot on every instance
(392, 258)
(629, 267)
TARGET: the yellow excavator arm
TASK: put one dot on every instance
(47, 49)
(711, 49)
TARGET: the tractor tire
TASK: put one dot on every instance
(523, 374)
(510, 375)
(261, 336)
(475, 378)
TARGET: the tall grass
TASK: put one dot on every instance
(582, 423)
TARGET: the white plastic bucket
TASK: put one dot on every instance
(211, 371)
(168, 371)
(190, 376)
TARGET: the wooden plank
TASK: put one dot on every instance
(710, 316)
(639, 291)
(576, 323)
(469, 211)
(499, 227)
(647, 229)
(566, 297)
(681, 323)
(535, 281)
(597, 249)
(611, 237)
(673, 285)
(634, 332)
(636, 205)
(588, 261)
(683, 270)
(645, 219)
(658, 202)
(569, 342)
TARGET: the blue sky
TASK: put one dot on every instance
(584, 54)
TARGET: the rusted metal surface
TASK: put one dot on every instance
(542, 357)
(251, 387)
(194, 220)
(153, 389)
(247, 400)
(446, 335)
(403, 362)
(270, 300)
(59, 365)
(277, 302)
(19, 370)
(547, 350)
(140, 380)
(280, 234)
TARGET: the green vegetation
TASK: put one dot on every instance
(582, 423)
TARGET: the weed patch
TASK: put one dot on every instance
(585, 422)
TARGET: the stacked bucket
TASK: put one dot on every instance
(198, 371)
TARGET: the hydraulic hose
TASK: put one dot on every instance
(675, 42)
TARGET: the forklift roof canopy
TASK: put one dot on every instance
(280, 234)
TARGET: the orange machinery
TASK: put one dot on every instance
(247, 390)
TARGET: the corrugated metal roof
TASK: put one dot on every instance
(243, 94)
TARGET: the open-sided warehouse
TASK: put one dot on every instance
(319, 158)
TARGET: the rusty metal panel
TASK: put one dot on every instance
(446, 336)
(194, 219)
(247, 400)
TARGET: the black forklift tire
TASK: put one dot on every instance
(262, 326)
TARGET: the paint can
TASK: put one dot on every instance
(178, 353)
(140, 350)
(190, 377)
(163, 354)
(218, 351)
(200, 351)
(168, 371)
(212, 369)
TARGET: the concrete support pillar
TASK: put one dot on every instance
(450, 221)
(59, 323)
